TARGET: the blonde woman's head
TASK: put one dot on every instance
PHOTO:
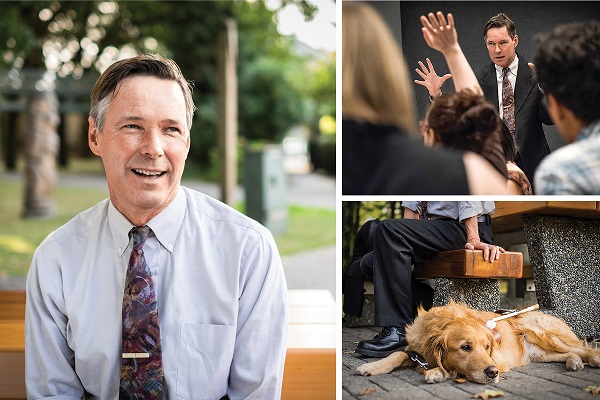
(376, 85)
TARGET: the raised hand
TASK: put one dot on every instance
(431, 80)
(439, 33)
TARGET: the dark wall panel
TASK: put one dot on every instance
(530, 18)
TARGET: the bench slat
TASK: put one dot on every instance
(309, 374)
(12, 336)
(470, 264)
(12, 304)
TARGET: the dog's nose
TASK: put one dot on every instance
(491, 371)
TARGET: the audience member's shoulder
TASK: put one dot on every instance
(571, 154)
(209, 207)
(572, 169)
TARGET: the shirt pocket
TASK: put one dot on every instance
(205, 355)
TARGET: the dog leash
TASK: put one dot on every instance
(492, 322)
(415, 357)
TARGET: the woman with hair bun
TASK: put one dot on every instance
(466, 121)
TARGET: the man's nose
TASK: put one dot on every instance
(152, 143)
(497, 49)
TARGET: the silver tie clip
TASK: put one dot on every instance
(136, 355)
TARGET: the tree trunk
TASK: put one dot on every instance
(42, 144)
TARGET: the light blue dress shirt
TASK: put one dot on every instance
(459, 210)
(222, 301)
(574, 168)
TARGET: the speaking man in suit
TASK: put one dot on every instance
(509, 82)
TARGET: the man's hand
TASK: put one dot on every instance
(439, 34)
(431, 80)
(490, 252)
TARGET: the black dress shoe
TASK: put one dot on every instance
(389, 340)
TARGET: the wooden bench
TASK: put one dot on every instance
(12, 345)
(470, 264)
(464, 276)
(12, 305)
(309, 371)
(310, 363)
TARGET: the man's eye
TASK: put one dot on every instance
(132, 126)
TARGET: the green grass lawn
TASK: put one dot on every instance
(308, 228)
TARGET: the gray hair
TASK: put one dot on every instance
(107, 86)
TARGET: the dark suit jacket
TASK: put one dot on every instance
(530, 113)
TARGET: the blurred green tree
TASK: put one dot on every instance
(70, 37)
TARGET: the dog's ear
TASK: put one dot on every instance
(440, 347)
(435, 343)
(492, 339)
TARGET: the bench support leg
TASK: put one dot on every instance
(480, 294)
(565, 261)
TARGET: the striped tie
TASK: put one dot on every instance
(141, 369)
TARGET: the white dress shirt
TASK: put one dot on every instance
(222, 303)
(512, 77)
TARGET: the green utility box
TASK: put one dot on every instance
(265, 186)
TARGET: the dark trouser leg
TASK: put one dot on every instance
(397, 244)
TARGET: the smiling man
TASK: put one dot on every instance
(158, 292)
(509, 83)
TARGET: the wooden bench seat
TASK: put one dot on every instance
(12, 305)
(310, 362)
(464, 276)
(470, 264)
(309, 371)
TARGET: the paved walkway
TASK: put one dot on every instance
(547, 381)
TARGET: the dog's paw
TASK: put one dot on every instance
(594, 360)
(374, 368)
(574, 364)
(365, 369)
(434, 375)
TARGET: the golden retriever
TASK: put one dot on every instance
(453, 340)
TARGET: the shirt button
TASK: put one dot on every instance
(120, 249)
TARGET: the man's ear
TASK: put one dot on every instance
(93, 133)
(187, 145)
(566, 121)
(555, 109)
(516, 40)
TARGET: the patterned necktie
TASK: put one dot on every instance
(141, 369)
(508, 102)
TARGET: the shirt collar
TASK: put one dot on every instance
(514, 67)
(592, 129)
(165, 225)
